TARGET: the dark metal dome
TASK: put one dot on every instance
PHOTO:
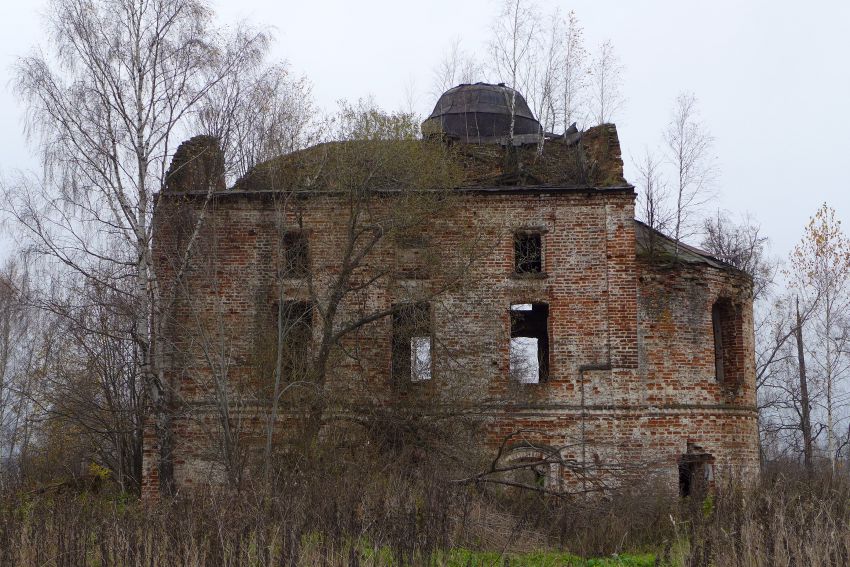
(481, 114)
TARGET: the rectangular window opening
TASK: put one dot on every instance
(296, 254)
(528, 253)
(412, 258)
(529, 346)
(412, 358)
(295, 330)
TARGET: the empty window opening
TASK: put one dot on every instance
(296, 252)
(295, 331)
(718, 341)
(529, 347)
(412, 358)
(727, 323)
(528, 253)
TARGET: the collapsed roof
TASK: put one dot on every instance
(591, 159)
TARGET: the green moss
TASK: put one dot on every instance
(398, 161)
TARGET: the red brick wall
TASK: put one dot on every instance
(631, 376)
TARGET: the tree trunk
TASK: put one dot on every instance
(278, 379)
(830, 416)
(805, 421)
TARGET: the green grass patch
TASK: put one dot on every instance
(468, 558)
(460, 557)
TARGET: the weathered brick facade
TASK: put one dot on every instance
(632, 380)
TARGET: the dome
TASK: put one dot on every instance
(481, 114)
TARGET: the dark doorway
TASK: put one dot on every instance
(696, 472)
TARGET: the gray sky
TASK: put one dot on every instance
(772, 79)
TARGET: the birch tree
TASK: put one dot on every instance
(513, 48)
(456, 66)
(106, 104)
(689, 152)
(651, 206)
(257, 114)
(543, 86)
(820, 264)
(606, 77)
(573, 72)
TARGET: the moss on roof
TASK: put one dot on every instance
(592, 159)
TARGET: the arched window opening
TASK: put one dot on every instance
(727, 330)
(534, 468)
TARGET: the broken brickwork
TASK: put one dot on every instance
(630, 377)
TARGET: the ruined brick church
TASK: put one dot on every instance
(529, 295)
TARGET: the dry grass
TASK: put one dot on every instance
(788, 519)
(409, 516)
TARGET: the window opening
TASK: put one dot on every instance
(296, 254)
(411, 254)
(534, 467)
(532, 471)
(727, 329)
(528, 253)
(296, 331)
(529, 346)
(717, 326)
(412, 341)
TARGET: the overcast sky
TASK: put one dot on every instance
(772, 79)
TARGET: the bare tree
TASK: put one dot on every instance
(257, 114)
(376, 147)
(92, 379)
(24, 335)
(70, 393)
(513, 48)
(543, 85)
(125, 81)
(456, 67)
(741, 245)
(573, 72)
(786, 396)
(411, 97)
(805, 400)
(606, 75)
(820, 265)
(689, 147)
(382, 189)
(652, 207)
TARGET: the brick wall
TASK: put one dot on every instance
(631, 365)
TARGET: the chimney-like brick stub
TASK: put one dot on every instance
(197, 165)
